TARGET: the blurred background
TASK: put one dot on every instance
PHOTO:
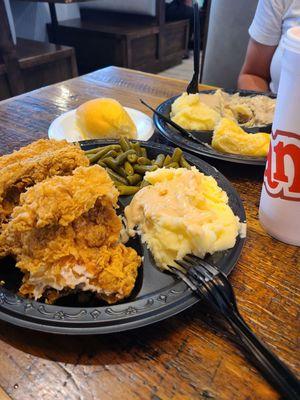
(47, 42)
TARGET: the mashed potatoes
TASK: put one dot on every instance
(203, 111)
(182, 212)
(250, 110)
(190, 113)
(230, 138)
(104, 118)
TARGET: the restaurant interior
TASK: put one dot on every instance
(149, 199)
(71, 38)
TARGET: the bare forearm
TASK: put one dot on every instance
(255, 73)
(253, 82)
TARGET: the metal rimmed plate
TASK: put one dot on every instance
(173, 136)
(156, 296)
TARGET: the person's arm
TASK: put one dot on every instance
(255, 73)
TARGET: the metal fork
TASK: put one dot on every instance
(213, 286)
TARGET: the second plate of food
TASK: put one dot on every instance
(156, 294)
(206, 133)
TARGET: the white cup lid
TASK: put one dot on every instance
(292, 39)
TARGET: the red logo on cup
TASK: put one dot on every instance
(282, 174)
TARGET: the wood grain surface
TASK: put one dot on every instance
(188, 356)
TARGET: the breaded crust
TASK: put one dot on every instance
(64, 235)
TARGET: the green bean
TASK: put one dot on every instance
(127, 190)
(134, 179)
(122, 171)
(131, 144)
(143, 161)
(141, 169)
(137, 148)
(116, 147)
(116, 177)
(132, 158)
(111, 163)
(101, 153)
(172, 165)
(128, 168)
(95, 157)
(96, 149)
(101, 163)
(144, 152)
(160, 160)
(144, 184)
(183, 163)
(167, 161)
(176, 155)
(124, 143)
(92, 151)
(111, 153)
(122, 157)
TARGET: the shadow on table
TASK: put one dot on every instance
(148, 342)
(234, 171)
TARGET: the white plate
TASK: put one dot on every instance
(65, 126)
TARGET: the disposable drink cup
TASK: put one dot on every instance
(279, 210)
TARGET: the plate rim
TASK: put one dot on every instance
(64, 323)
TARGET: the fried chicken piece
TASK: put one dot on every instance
(65, 236)
(33, 149)
(32, 164)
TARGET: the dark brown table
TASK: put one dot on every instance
(185, 357)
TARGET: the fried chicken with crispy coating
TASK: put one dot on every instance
(33, 149)
(64, 235)
(32, 164)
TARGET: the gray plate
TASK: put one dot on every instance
(156, 296)
(175, 137)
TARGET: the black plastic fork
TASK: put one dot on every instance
(186, 133)
(212, 285)
(193, 87)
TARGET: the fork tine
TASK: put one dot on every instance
(199, 283)
(182, 276)
(214, 271)
(201, 266)
(208, 267)
(183, 264)
(200, 286)
(193, 262)
(202, 271)
(190, 258)
(198, 275)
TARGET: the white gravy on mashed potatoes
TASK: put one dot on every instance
(182, 212)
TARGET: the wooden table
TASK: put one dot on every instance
(184, 357)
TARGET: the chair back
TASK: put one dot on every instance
(141, 7)
(10, 21)
(8, 54)
(226, 41)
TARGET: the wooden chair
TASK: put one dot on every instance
(27, 64)
(104, 36)
(8, 57)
